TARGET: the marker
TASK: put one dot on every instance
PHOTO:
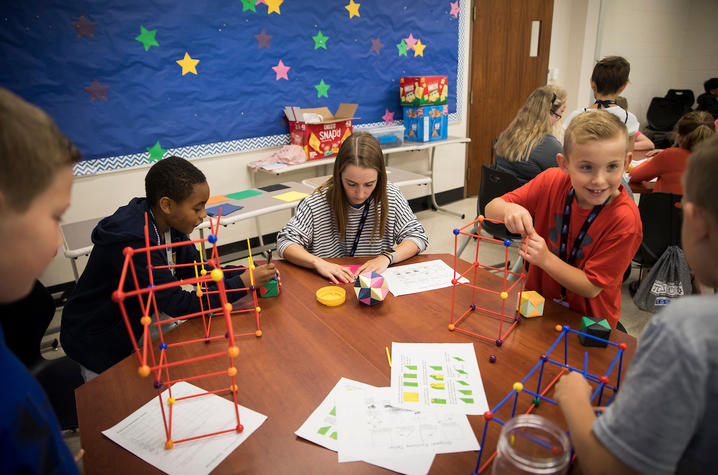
(269, 257)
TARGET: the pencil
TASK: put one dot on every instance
(388, 356)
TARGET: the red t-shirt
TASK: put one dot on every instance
(668, 166)
(610, 244)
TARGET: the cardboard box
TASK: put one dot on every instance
(424, 124)
(423, 90)
(321, 139)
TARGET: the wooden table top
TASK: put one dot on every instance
(307, 347)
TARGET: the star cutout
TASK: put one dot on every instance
(147, 38)
(249, 5)
(260, 1)
(96, 91)
(419, 48)
(376, 45)
(273, 6)
(388, 117)
(410, 41)
(455, 9)
(281, 70)
(320, 41)
(188, 64)
(156, 151)
(84, 27)
(353, 8)
(322, 89)
(402, 48)
(263, 39)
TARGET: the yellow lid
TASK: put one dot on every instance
(331, 295)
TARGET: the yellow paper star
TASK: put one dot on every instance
(419, 48)
(353, 9)
(188, 64)
(273, 6)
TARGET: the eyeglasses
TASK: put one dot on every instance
(556, 114)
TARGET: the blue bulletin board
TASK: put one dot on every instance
(132, 84)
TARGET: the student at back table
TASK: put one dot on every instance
(587, 229)
(93, 331)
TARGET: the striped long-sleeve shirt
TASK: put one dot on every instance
(314, 228)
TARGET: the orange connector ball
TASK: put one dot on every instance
(169, 444)
(145, 320)
(481, 217)
(199, 293)
(232, 371)
(233, 387)
(258, 333)
(143, 371)
(228, 307)
(451, 327)
(233, 351)
(558, 328)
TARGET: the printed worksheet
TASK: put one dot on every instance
(321, 426)
(419, 277)
(143, 431)
(437, 376)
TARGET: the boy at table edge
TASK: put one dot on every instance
(581, 228)
(664, 418)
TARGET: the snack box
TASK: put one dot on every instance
(319, 132)
(423, 90)
(424, 124)
(392, 136)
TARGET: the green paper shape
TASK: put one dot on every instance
(467, 400)
(437, 368)
(411, 366)
(413, 376)
(457, 358)
(322, 89)
(333, 436)
(461, 371)
(240, 195)
(462, 382)
(333, 412)
(156, 152)
(272, 289)
(248, 5)
(147, 38)
(403, 47)
(466, 392)
(320, 41)
(438, 401)
(324, 430)
(411, 384)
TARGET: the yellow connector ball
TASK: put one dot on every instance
(145, 320)
(258, 333)
(169, 444)
(233, 351)
(228, 307)
(143, 371)
(518, 386)
(252, 267)
(216, 274)
(451, 327)
(504, 295)
(203, 272)
(481, 218)
(231, 371)
(170, 401)
(259, 309)
(200, 293)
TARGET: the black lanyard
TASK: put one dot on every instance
(565, 222)
(359, 229)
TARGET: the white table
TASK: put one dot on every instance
(408, 146)
(397, 176)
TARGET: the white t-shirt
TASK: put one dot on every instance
(626, 117)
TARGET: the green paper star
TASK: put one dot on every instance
(402, 48)
(147, 37)
(322, 89)
(248, 5)
(320, 41)
(156, 152)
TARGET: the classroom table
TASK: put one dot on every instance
(637, 187)
(397, 176)
(306, 348)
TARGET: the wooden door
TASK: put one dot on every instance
(503, 73)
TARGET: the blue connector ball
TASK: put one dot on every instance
(163, 346)
(507, 242)
(456, 231)
(212, 238)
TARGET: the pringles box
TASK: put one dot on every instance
(318, 131)
(424, 124)
(423, 90)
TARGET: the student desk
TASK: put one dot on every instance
(395, 175)
(306, 348)
(77, 236)
(408, 146)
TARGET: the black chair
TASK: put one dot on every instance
(494, 183)
(24, 324)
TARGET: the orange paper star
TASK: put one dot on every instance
(353, 9)
(188, 64)
(419, 48)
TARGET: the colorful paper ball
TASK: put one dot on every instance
(371, 288)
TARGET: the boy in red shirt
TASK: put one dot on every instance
(581, 227)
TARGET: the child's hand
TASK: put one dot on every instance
(334, 272)
(534, 250)
(378, 265)
(518, 220)
(572, 387)
(265, 273)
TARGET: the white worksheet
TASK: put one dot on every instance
(419, 277)
(437, 376)
(143, 431)
(321, 426)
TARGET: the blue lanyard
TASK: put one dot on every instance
(359, 229)
(565, 222)
(604, 104)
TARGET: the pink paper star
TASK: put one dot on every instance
(281, 70)
(260, 1)
(455, 9)
(410, 41)
(388, 117)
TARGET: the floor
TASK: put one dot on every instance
(439, 227)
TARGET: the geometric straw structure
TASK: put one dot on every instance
(509, 316)
(161, 365)
(539, 395)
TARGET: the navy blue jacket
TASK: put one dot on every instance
(93, 332)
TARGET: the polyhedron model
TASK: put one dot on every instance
(370, 288)
(597, 327)
(270, 289)
(531, 304)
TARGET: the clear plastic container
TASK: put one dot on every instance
(531, 444)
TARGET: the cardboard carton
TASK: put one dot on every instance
(424, 124)
(321, 139)
(423, 90)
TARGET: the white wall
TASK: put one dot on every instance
(101, 195)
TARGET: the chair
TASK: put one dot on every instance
(494, 183)
(24, 323)
(661, 219)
